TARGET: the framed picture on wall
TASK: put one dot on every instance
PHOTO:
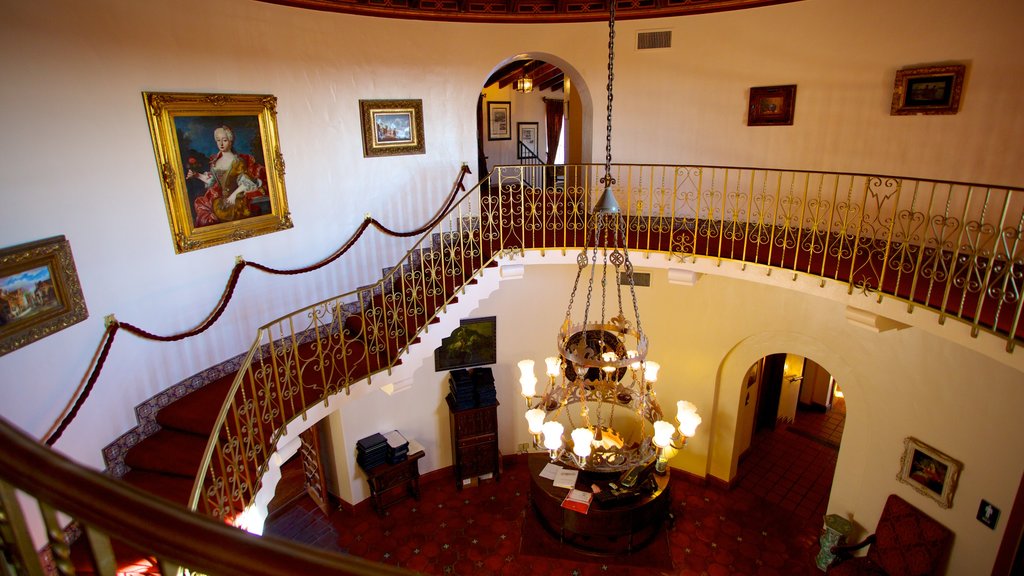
(527, 132)
(929, 471)
(928, 90)
(220, 166)
(473, 343)
(392, 127)
(771, 105)
(39, 292)
(499, 120)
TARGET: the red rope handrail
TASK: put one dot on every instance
(113, 325)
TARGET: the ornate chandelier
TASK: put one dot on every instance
(601, 385)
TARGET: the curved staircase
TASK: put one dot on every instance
(167, 462)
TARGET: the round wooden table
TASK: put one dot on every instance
(615, 526)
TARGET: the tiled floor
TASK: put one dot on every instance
(767, 524)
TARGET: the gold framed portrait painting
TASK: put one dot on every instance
(220, 166)
(39, 292)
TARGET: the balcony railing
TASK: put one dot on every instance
(949, 247)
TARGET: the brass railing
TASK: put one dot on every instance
(112, 515)
(950, 247)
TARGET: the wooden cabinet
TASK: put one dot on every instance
(385, 477)
(474, 441)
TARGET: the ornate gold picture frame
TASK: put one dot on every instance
(929, 471)
(392, 127)
(39, 292)
(220, 166)
(928, 90)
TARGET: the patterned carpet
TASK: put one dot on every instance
(766, 525)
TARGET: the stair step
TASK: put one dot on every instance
(168, 451)
(174, 489)
(197, 412)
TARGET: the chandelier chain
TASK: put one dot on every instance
(608, 180)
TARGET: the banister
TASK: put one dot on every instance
(173, 534)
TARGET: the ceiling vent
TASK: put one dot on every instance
(653, 39)
(639, 278)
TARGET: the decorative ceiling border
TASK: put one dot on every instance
(523, 11)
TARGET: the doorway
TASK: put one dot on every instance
(543, 124)
(792, 435)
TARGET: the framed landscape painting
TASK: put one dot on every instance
(928, 90)
(39, 292)
(220, 166)
(392, 127)
(929, 471)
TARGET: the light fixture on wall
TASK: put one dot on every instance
(600, 387)
(524, 84)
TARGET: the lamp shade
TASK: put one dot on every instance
(535, 420)
(635, 365)
(651, 369)
(581, 440)
(688, 418)
(663, 432)
(528, 385)
(683, 407)
(526, 368)
(553, 435)
(554, 365)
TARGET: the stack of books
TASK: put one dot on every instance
(372, 451)
(461, 389)
(472, 388)
(398, 447)
(483, 381)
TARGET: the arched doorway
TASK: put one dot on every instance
(517, 126)
(790, 428)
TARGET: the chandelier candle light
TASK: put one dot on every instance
(601, 384)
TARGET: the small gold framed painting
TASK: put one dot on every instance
(392, 127)
(928, 90)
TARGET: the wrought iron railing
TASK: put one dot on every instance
(950, 247)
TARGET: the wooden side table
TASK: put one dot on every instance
(386, 477)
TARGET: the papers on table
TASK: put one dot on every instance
(566, 478)
(560, 477)
(549, 471)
